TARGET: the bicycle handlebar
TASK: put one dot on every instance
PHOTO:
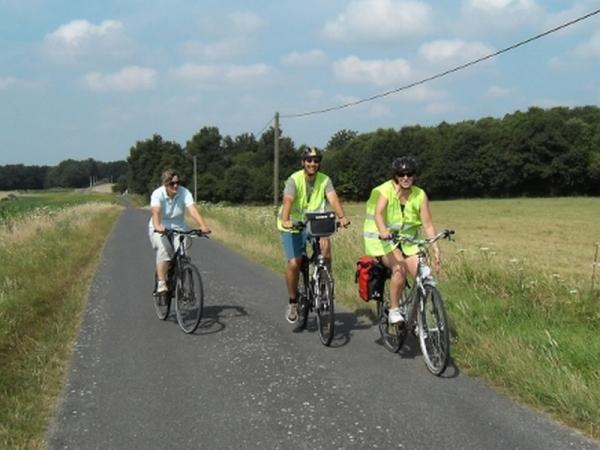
(399, 238)
(193, 233)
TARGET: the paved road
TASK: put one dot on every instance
(245, 380)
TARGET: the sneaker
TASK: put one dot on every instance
(292, 313)
(162, 287)
(395, 315)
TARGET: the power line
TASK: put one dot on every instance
(264, 128)
(442, 74)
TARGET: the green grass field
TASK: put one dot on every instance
(44, 281)
(517, 283)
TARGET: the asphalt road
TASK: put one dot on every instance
(245, 380)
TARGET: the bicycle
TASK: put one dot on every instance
(316, 287)
(184, 283)
(425, 302)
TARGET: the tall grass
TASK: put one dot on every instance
(517, 284)
(48, 264)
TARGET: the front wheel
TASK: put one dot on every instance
(189, 298)
(303, 295)
(324, 306)
(434, 332)
(162, 302)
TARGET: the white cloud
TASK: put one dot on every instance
(215, 51)
(490, 16)
(248, 72)
(245, 22)
(589, 50)
(128, 79)
(379, 20)
(309, 58)
(80, 37)
(453, 51)
(214, 72)
(377, 72)
(497, 92)
(6, 82)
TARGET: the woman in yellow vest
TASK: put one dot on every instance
(306, 190)
(398, 205)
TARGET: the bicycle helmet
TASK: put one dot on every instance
(404, 164)
(311, 152)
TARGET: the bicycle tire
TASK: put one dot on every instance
(162, 302)
(392, 335)
(304, 296)
(189, 298)
(434, 331)
(324, 306)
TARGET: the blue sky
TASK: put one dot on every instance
(82, 79)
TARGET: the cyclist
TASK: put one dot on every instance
(307, 190)
(168, 204)
(398, 205)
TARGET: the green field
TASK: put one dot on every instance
(15, 205)
(517, 282)
(44, 281)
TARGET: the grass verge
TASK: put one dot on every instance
(526, 324)
(42, 297)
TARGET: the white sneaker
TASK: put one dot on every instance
(162, 287)
(395, 316)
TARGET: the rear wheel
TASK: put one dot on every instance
(392, 335)
(303, 295)
(189, 298)
(434, 333)
(162, 302)
(324, 306)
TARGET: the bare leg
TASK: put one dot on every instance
(292, 274)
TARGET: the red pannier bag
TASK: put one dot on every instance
(370, 277)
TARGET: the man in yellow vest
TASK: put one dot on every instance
(398, 205)
(306, 190)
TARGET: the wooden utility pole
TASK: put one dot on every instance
(276, 161)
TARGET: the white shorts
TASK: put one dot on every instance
(163, 248)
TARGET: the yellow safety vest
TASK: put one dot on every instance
(302, 203)
(406, 222)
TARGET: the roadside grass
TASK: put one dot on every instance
(48, 265)
(517, 284)
(43, 202)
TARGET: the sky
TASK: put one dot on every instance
(83, 79)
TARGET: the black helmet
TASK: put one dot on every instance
(404, 164)
(311, 152)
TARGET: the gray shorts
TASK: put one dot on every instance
(161, 245)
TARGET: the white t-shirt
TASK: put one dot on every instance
(172, 210)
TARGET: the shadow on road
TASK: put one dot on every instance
(213, 318)
(345, 323)
(411, 349)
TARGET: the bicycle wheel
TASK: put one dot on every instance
(324, 306)
(303, 296)
(434, 333)
(392, 334)
(162, 302)
(189, 298)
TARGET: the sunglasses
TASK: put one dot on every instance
(313, 160)
(405, 174)
(173, 183)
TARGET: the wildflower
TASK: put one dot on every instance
(573, 291)
(513, 261)
(484, 249)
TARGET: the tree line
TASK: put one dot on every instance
(67, 174)
(540, 152)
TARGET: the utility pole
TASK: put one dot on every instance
(195, 182)
(276, 162)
